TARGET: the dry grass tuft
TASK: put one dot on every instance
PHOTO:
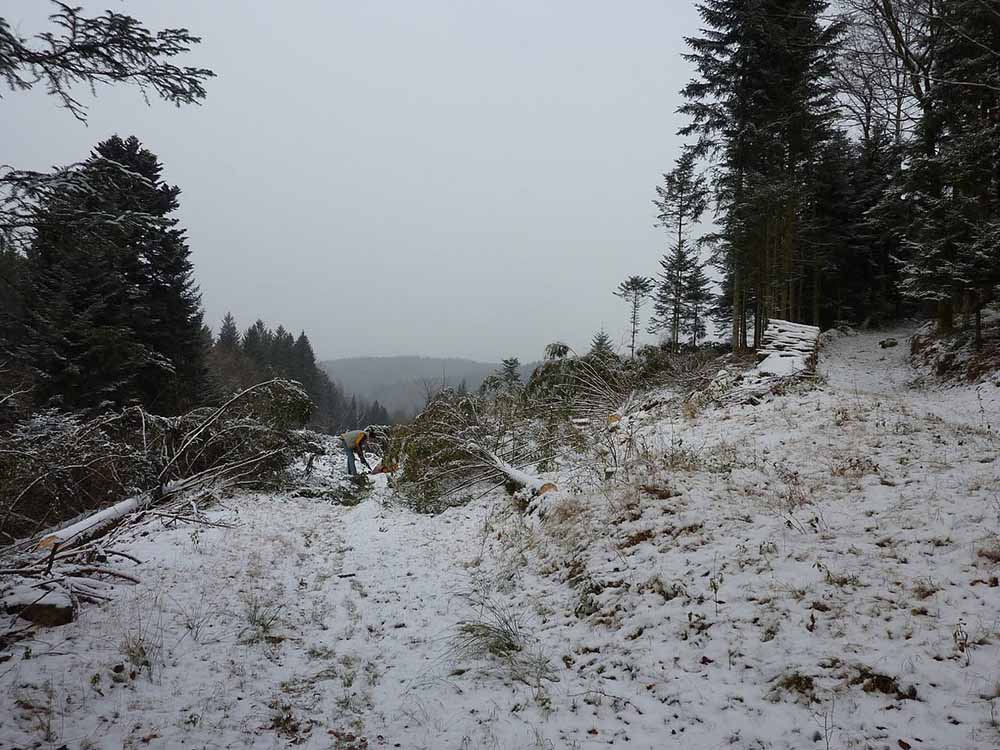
(990, 551)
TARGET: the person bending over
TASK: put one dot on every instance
(355, 442)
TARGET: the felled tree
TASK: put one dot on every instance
(460, 441)
(55, 465)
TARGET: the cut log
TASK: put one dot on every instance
(785, 341)
(535, 485)
(93, 524)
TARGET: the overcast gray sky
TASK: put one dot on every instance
(442, 177)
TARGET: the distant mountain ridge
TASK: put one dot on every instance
(401, 383)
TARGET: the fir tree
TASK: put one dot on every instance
(634, 290)
(112, 313)
(304, 362)
(867, 285)
(281, 352)
(353, 414)
(229, 335)
(257, 343)
(109, 48)
(167, 311)
(697, 297)
(680, 202)
(601, 348)
(670, 302)
(510, 372)
(762, 106)
(956, 260)
(79, 341)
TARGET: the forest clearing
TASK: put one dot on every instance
(815, 570)
(650, 396)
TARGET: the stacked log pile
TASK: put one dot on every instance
(788, 348)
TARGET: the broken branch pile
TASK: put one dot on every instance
(462, 440)
(55, 466)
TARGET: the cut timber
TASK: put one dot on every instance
(93, 524)
(533, 484)
(787, 348)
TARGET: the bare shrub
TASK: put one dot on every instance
(925, 589)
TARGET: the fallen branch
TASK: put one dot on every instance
(186, 519)
(93, 570)
(194, 434)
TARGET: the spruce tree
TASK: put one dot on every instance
(167, 312)
(680, 203)
(229, 334)
(762, 105)
(697, 298)
(634, 290)
(601, 348)
(956, 260)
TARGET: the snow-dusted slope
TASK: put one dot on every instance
(858, 366)
(818, 570)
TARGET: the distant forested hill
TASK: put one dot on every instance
(401, 384)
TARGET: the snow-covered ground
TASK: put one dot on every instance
(815, 571)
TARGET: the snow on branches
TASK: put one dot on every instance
(55, 466)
